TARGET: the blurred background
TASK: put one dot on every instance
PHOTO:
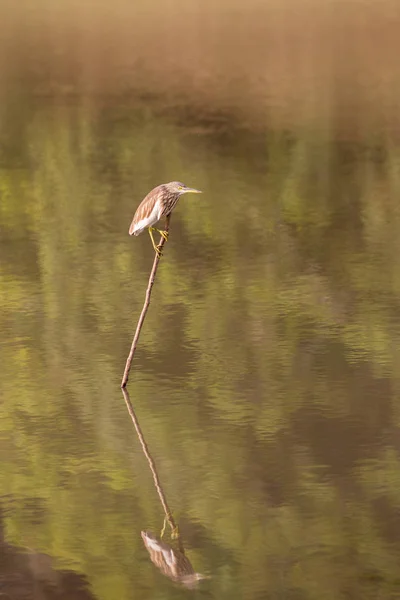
(266, 379)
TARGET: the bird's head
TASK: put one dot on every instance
(177, 187)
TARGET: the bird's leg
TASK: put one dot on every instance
(164, 527)
(174, 529)
(163, 234)
(156, 248)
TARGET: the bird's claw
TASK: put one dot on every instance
(163, 234)
(175, 535)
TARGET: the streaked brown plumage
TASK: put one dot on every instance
(171, 562)
(158, 203)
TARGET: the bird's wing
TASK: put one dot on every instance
(146, 213)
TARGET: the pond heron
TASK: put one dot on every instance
(160, 202)
(172, 562)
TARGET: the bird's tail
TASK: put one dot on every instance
(133, 231)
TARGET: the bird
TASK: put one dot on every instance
(172, 562)
(160, 202)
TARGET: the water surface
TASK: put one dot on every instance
(266, 378)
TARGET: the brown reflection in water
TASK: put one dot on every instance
(168, 515)
(29, 575)
(172, 562)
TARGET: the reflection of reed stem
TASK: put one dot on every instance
(152, 466)
(144, 309)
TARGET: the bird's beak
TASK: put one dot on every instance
(192, 191)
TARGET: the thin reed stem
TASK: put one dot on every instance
(144, 309)
(167, 511)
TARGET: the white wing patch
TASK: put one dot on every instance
(153, 217)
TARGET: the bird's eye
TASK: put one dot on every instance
(180, 187)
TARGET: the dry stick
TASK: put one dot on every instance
(152, 466)
(144, 309)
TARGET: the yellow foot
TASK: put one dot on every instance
(174, 530)
(175, 533)
(163, 234)
(158, 251)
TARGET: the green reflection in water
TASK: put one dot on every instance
(266, 375)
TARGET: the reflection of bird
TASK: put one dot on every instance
(158, 203)
(171, 562)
